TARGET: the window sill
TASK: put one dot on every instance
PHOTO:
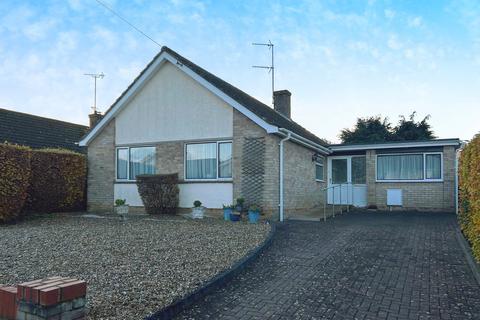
(409, 181)
(205, 181)
(180, 181)
(319, 180)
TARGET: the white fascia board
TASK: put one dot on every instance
(124, 100)
(433, 143)
(147, 75)
(304, 141)
(219, 93)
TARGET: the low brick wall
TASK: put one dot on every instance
(52, 298)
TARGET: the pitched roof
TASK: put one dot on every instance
(260, 109)
(38, 132)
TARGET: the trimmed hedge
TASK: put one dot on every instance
(14, 180)
(58, 181)
(159, 193)
(469, 193)
(46, 180)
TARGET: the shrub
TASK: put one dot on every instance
(159, 193)
(469, 192)
(197, 203)
(57, 182)
(120, 202)
(14, 180)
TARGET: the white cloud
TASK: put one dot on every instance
(389, 13)
(394, 43)
(39, 30)
(415, 22)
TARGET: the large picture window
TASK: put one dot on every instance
(208, 161)
(409, 167)
(133, 161)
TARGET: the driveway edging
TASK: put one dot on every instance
(472, 263)
(216, 282)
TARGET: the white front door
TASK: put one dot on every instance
(347, 180)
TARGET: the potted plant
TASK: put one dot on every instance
(239, 205)
(121, 207)
(198, 211)
(227, 211)
(253, 213)
(235, 215)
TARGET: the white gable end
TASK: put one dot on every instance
(170, 107)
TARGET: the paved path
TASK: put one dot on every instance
(356, 266)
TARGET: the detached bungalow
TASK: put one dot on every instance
(225, 144)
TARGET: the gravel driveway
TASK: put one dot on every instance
(133, 268)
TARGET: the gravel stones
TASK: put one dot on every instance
(132, 268)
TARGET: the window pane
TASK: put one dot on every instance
(201, 161)
(225, 160)
(433, 166)
(339, 171)
(122, 163)
(142, 161)
(400, 167)
(359, 170)
(319, 171)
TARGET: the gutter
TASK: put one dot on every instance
(305, 142)
(280, 205)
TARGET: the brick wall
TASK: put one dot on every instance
(245, 128)
(101, 170)
(303, 193)
(416, 195)
(169, 158)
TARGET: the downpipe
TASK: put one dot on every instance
(280, 205)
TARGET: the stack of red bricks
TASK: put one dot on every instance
(53, 298)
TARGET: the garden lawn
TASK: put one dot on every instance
(132, 268)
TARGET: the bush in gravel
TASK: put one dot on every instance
(58, 181)
(14, 180)
(469, 192)
(159, 193)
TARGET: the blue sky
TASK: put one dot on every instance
(340, 59)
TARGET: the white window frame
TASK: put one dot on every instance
(128, 162)
(321, 164)
(424, 154)
(217, 142)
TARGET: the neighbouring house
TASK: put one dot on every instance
(178, 118)
(39, 132)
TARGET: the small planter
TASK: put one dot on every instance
(122, 210)
(253, 216)
(226, 213)
(234, 217)
(198, 212)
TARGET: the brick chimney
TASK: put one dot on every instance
(281, 102)
(94, 118)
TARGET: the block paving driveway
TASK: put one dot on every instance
(355, 266)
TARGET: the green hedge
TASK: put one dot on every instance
(44, 181)
(469, 192)
(14, 180)
(159, 193)
(58, 181)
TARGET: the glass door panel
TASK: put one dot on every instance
(339, 171)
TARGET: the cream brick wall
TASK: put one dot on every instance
(101, 170)
(302, 192)
(245, 128)
(416, 195)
